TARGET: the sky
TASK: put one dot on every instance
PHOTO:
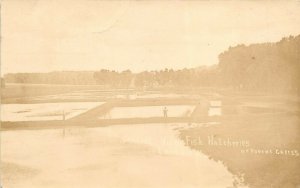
(65, 35)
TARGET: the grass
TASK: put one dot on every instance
(264, 131)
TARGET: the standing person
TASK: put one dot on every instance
(165, 112)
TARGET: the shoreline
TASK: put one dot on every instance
(137, 151)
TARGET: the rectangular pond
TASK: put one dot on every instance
(45, 111)
(148, 111)
(215, 108)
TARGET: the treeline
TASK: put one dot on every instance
(262, 67)
(163, 78)
(59, 77)
(204, 76)
(258, 67)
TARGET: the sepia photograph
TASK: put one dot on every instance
(150, 94)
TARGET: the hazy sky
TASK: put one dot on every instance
(49, 35)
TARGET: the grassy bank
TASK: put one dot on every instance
(262, 149)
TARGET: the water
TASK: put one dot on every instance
(129, 155)
(215, 108)
(148, 111)
(88, 94)
(214, 111)
(215, 103)
(44, 111)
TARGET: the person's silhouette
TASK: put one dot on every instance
(165, 112)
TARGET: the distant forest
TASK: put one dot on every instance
(258, 67)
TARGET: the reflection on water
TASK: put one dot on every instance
(99, 94)
(215, 108)
(129, 155)
(45, 111)
(215, 103)
(149, 111)
(214, 111)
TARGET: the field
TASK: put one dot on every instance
(209, 139)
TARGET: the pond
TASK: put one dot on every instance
(92, 95)
(148, 111)
(45, 111)
(149, 155)
(215, 108)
